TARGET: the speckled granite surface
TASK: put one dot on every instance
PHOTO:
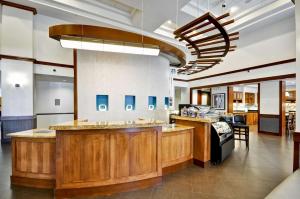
(80, 125)
(34, 133)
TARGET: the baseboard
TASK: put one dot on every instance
(108, 189)
(201, 163)
(33, 183)
(176, 167)
(269, 133)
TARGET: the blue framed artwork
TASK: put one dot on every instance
(129, 102)
(151, 103)
(102, 102)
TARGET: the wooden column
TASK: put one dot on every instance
(282, 124)
(258, 107)
(230, 99)
(75, 85)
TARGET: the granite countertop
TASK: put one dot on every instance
(81, 125)
(194, 119)
(173, 128)
(34, 133)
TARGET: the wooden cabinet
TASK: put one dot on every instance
(250, 98)
(252, 118)
(290, 96)
(238, 97)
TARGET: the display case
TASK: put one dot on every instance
(102, 103)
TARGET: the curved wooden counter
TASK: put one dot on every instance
(83, 160)
(201, 148)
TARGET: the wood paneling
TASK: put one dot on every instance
(33, 159)
(177, 147)
(252, 118)
(94, 158)
(110, 34)
(201, 143)
(19, 6)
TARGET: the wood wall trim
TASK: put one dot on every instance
(75, 85)
(269, 115)
(247, 69)
(28, 59)
(17, 58)
(53, 64)
(110, 34)
(19, 6)
(293, 75)
(240, 70)
(180, 80)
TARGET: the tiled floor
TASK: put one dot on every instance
(245, 174)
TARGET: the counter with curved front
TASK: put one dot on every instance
(86, 158)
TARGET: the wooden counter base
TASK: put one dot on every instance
(176, 167)
(109, 189)
(32, 182)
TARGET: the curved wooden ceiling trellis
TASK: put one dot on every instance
(102, 33)
(209, 41)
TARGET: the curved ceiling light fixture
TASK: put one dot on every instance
(99, 38)
(208, 40)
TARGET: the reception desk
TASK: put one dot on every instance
(201, 139)
(83, 158)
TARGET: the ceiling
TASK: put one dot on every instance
(159, 18)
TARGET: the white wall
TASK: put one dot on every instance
(17, 40)
(118, 75)
(277, 70)
(46, 48)
(17, 101)
(269, 97)
(45, 94)
(16, 32)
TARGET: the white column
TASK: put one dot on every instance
(16, 39)
(297, 15)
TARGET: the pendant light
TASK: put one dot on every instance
(111, 46)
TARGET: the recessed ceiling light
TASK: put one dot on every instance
(233, 9)
(169, 21)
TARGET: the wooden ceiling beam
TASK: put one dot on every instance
(210, 29)
(201, 25)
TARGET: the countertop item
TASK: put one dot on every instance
(194, 119)
(174, 128)
(80, 125)
(34, 133)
